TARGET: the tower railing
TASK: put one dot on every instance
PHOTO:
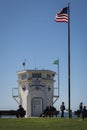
(15, 95)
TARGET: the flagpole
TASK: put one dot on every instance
(58, 78)
(57, 63)
(61, 16)
(69, 103)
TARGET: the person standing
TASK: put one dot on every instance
(81, 108)
(84, 112)
(62, 108)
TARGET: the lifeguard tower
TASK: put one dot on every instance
(35, 90)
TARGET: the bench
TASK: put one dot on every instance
(50, 113)
(16, 113)
(82, 114)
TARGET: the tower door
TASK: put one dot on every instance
(36, 106)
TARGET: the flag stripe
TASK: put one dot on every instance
(62, 15)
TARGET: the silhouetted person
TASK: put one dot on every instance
(21, 112)
(62, 108)
(84, 112)
(81, 108)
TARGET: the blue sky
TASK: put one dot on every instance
(28, 31)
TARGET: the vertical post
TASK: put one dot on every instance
(56, 62)
(58, 78)
(69, 103)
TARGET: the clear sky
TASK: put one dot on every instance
(28, 31)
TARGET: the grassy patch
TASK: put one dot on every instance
(43, 124)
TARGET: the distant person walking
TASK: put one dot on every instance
(62, 108)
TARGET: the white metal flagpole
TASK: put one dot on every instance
(58, 79)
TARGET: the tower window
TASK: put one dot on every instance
(48, 76)
(36, 75)
(23, 76)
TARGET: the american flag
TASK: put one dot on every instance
(62, 15)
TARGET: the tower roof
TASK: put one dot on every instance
(36, 71)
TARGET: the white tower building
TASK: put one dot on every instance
(35, 90)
